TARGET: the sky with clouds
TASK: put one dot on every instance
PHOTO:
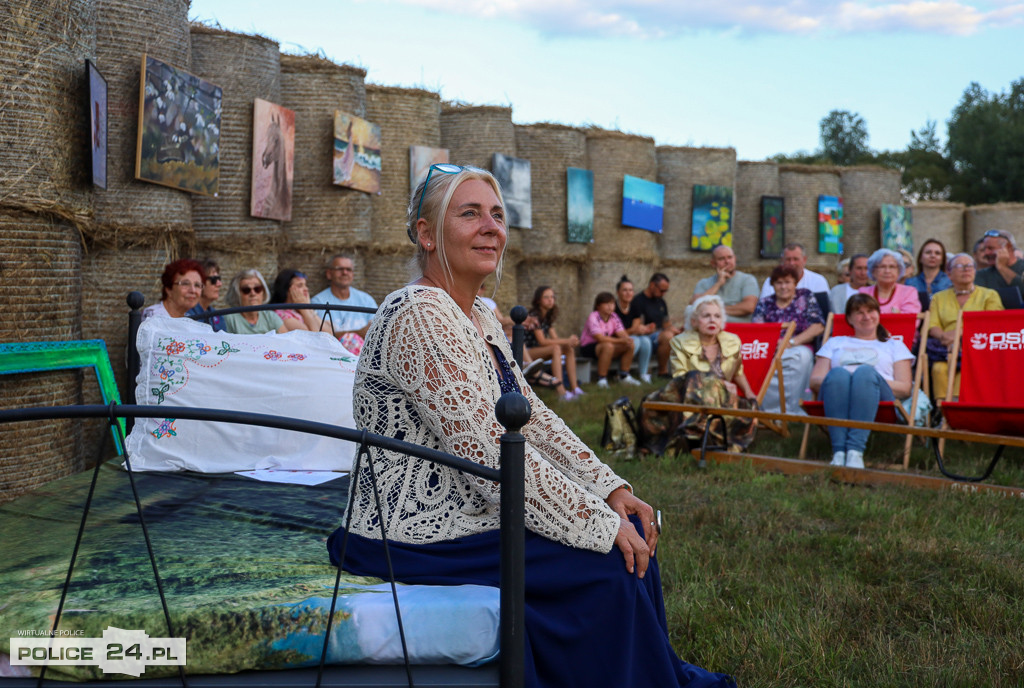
(757, 75)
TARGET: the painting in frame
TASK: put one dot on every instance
(273, 160)
(712, 217)
(357, 161)
(514, 176)
(178, 143)
(897, 227)
(97, 124)
(580, 205)
(643, 204)
(830, 225)
(773, 226)
(420, 160)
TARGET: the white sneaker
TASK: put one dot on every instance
(854, 459)
(568, 396)
(645, 378)
(839, 459)
(602, 383)
(579, 392)
(630, 380)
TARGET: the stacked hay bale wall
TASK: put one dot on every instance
(978, 219)
(679, 169)
(938, 220)
(473, 134)
(801, 185)
(245, 67)
(324, 216)
(753, 180)
(864, 190)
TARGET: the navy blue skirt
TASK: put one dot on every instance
(589, 622)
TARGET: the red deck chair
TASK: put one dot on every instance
(991, 380)
(902, 326)
(762, 355)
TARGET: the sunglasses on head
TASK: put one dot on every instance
(446, 168)
(994, 233)
(249, 290)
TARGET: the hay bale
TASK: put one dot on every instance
(864, 189)
(473, 134)
(407, 117)
(44, 126)
(382, 272)
(125, 29)
(35, 453)
(938, 220)
(550, 148)
(801, 185)
(564, 278)
(679, 169)
(246, 67)
(323, 215)
(40, 278)
(259, 252)
(753, 180)
(612, 155)
(978, 219)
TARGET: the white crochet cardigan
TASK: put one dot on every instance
(425, 376)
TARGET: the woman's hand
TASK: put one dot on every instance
(623, 502)
(635, 551)
(298, 294)
(731, 386)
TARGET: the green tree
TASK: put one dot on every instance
(844, 138)
(986, 145)
(927, 173)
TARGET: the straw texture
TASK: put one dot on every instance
(406, 117)
(939, 220)
(473, 134)
(679, 169)
(1008, 217)
(245, 67)
(260, 252)
(801, 185)
(753, 180)
(384, 272)
(44, 127)
(323, 215)
(125, 29)
(864, 189)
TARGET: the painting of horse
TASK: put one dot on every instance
(273, 161)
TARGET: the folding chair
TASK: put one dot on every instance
(901, 326)
(991, 378)
(762, 347)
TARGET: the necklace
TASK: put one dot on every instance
(880, 301)
(964, 292)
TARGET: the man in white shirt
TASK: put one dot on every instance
(795, 257)
(340, 275)
(858, 278)
(737, 289)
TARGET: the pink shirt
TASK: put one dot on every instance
(904, 299)
(596, 325)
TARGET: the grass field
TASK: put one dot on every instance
(802, 581)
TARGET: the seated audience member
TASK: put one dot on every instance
(795, 256)
(209, 295)
(649, 305)
(857, 278)
(707, 370)
(978, 252)
(737, 289)
(843, 271)
(349, 328)
(248, 288)
(532, 368)
(543, 342)
(1004, 269)
(290, 287)
(886, 268)
(636, 328)
(604, 339)
(594, 610)
(182, 283)
(789, 304)
(909, 267)
(931, 277)
(852, 374)
(945, 309)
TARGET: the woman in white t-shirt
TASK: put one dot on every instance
(853, 374)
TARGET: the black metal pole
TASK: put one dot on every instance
(513, 411)
(518, 315)
(132, 361)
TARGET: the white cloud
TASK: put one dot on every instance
(659, 18)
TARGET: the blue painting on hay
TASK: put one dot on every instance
(643, 204)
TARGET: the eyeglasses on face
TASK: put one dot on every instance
(249, 290)
(213, 279)
(962, 266)
(342, 269)
(185, 284)
(446, 168)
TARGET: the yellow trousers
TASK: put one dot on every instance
(940, 379)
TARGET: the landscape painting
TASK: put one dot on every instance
(178, 143)
(97, 124)
(580, 205)
(273, 160)
(356, 153)
(712, 217)
(643, 204)
(773, 226)
(897, 225)
(420, 160)
(514, 176)
(830, 224)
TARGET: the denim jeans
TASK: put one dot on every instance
(642, 352)
(854, 396)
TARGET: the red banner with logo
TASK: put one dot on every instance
(992, 363)
(760, 340)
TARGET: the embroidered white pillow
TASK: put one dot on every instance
(305, 375)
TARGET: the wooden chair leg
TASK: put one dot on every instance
(803, 442)
(906, 452)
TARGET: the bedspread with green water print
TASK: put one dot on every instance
(238, 557)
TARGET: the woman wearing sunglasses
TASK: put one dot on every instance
(248, 288)
(182, 283)
(433, 366)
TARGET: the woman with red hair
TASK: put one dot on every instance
(182, 283)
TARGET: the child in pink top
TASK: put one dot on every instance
(605, 339)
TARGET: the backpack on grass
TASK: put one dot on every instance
(620, 426)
